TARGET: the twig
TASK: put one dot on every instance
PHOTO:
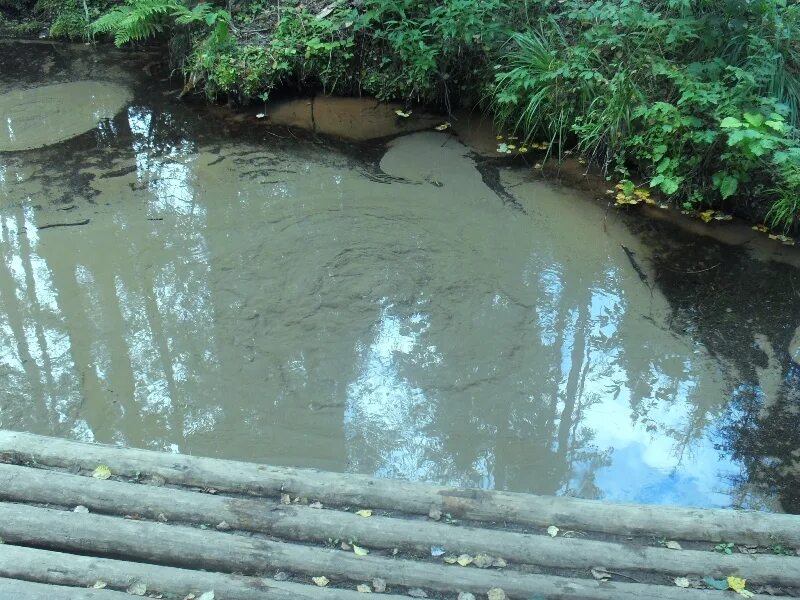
(694, 272)
(84, 222)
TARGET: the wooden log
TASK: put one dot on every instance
(360, 490)
(23, 484)
(57, 568)
(13, 589)
(187, 547)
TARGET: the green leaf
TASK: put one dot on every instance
(755, 119)
(717, 584)
(728, 186)
(730, 123)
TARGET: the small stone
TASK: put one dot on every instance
(286, 499)
(223, 526)
(417, 593)
(281, 576)
(379, 585)
(315, 505)
(99, 584)
(434, 513)
(345, 546)
(465, 596)
(363, 588)
(80, 509)
(500, 563)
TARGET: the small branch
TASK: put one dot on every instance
(84, 222)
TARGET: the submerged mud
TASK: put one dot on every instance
(173, 281)
(48, 114)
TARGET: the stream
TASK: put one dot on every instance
(181, 281)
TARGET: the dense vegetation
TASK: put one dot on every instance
(697, 99)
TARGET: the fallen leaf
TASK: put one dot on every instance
(496, 594)
(499, 138)
(707, 215)
(137, 588)
(499, 563)
(761, 228)
(80, 509)
(404, 114)
(442, 127)
(379, 585)
(503, 148)
(434, 513)
(552, 531)
(346, 546)
(748, 549)
(99, 584)
(315, 505)
(260, 116)
(465, 596)
(673, 545)
(359, 551)
(717, 584)
(206, 595)
(437, 551)
(417, 593)
(450, 560)
(464, 560)
(101, 472)
(600, 573)
(736, 583)
(321, 581)
(364, 513)
(682, 582)
(482, 561)
(286, 499)
(363, 588)
(223, 526)
(326, 11)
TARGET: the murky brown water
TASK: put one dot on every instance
(406, 310)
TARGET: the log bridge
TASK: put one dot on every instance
(94, 522)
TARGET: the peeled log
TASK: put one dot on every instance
(350, 489)
(23, 484)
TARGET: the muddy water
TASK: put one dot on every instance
(186, 283)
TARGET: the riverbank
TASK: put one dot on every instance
(647, 92)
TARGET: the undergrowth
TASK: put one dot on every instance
(698, 99)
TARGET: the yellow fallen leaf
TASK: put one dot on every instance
(682, 582)
(672, 545)
(736, 583)
(444, 126)
(101, 472)
(99, 584)
(523, 149)
(359, 551)
(364, 513)
(511, 147)
(401, 113)
(321, 581)
(464, 560)
(450, 560)
(363, 588)
(761, 228)
(499, 138)
(707, 215)
(552, 531)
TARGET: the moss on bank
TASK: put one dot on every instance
(697, 99)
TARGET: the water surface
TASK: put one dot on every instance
(177, 281)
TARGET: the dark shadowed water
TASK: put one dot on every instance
(175, 280)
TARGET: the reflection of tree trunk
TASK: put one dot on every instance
(38, 317)
(16, 323)
(156, 325)
(78, 326)
(572, 392)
